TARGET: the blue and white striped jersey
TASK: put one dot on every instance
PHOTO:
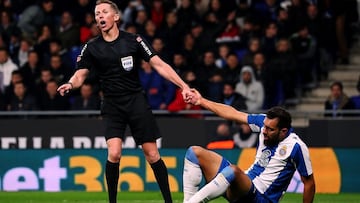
(274, 166)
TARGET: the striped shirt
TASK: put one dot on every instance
(274, 166)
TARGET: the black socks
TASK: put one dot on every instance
(112, 177)
(161, 175)
(160, 172)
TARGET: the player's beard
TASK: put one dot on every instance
(272, 140)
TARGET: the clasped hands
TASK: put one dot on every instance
(191, 96)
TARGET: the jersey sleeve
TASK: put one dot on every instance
(256, 119)
(301, 157)
(145, 49)
(84, 59)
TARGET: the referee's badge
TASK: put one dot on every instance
(127, 63)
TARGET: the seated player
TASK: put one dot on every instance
(279, 154)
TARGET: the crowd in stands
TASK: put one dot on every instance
(250, 53)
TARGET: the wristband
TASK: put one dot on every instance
(70, 83)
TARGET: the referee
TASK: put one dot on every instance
(116, 57)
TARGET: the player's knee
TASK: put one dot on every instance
(191, 154)
(152, 156)
(229, 173)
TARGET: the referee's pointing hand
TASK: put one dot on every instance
(64, 88)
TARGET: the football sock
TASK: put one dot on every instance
(215, 187)
(161, 175)
(192, 175)
(112, 177)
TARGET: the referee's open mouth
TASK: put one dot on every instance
(102, 23)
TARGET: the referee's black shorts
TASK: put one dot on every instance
(132, 110)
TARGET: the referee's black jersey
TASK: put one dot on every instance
(116, 62)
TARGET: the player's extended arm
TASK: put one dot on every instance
(75, 81)
(309, 188)
(222, 110)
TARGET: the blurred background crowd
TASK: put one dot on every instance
(251, 54)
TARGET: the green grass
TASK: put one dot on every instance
(142, 197)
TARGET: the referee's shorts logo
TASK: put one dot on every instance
(127, 63)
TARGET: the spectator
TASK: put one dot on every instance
(222, 139)
(304, 46)
(283, 23)
(8, 26)
(7, 66)
(42, 43)
(51, 100)
(21, 100)
(356, 99)
(232, 68)
(159, 91)
(80, 9)
(56, 48)
(150, 31)
(269, 39)
(231, 31)
(253, 47)
(187, 14)
(68, 32)
(131, 10)
(223, 52)
(282, 74)
(179, 63)
(9, 90)
(31, 70)
(60, 70)
(171, 32)
(45, 76)
(160, 48)
(260, 67)
(264, 11)
(251, 89)
(87, 100)
(189, 50)
(34, 16)
(232, 98)
(86, 29)
(245, 137)
(209, 76)
(297, 13)
(178, 103)
(140, 21)
(337, 100)
(157, 12)
(20, 56)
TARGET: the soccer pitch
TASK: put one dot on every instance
(142, 197)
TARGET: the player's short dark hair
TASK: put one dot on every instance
(283, 116)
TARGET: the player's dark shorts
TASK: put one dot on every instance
(132, 110)
(254, 196)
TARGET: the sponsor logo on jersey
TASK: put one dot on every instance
(78, 58)
(264, 158)
(127, 63)
(144, 46)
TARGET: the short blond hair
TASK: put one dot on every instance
(112, 5)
